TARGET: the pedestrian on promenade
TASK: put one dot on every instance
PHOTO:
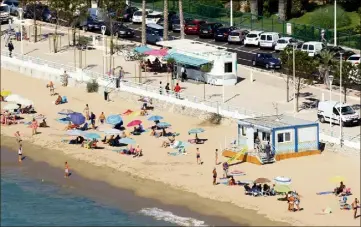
(11, 48)
(177, 89)
(167, 89)
(160, 88)
(214, 176)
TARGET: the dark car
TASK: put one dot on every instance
(91, 24)
(176, 24)
(337, 51)
(222, 33)
(266, 60)
(40, 11)
(123, 31)
(127, 14)
(208, 30)
(172, 16)
(192, 27)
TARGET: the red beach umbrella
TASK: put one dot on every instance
(134, 123)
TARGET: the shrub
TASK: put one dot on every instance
(324, 18)
(92, 86)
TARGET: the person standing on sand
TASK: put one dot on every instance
(102, 118)
(167, 89)
(214, 176)
(355, 206)
(199, 161)
(216, 156)
(51, 88)
(160, 88)
(225, 169)
(92, 119)
(66, 170)
(34, 126)
(86, 111)
(20, 154)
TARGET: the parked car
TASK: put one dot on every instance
(208, 30)
(91, 25)
(193, 27)
(176, 24)
(127, 14)
(266, 60)
(312, 48)
(298, 45)
(354, 59)
(153, 18)
(222, 33)
(330, 111)
(268, 40)
(337, 51)
(237, 36)
(42, 12)
(4, 13)
(252, 38)
(119, 29)
(138, 16)
(154, 33)
(13, 5)
(284, 42)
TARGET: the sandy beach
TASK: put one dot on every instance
(189, 183)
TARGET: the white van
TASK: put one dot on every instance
(268, 40)
(330, 111)
(153, 18)
(252, 38)
(312, 48)
(4, 13)
(138, 16)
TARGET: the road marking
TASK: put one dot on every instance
(244, 59)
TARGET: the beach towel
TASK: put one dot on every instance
(64, 120)
(127, 112)
(324, 193)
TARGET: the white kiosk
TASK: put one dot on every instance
(193, 54)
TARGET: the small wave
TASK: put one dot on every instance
(168, 216)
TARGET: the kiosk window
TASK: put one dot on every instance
(228, 67)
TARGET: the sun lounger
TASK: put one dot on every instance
(176, 144)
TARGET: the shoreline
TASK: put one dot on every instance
(185, 203)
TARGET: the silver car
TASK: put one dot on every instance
(237, 36)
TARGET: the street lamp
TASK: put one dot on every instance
(294, 78)
(335, 26)
(231, 13)
(103, 28)
(340, 99)
(330, 78)
(20, 10)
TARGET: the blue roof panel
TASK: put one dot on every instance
(142, 49)
(187, 60)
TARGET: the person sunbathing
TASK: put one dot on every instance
(58, 100)
(169, 142)
(79, 140)
(43, 124)
(70, 126)
(231, 181)
(163, 133)
(154, 133)
(340, 189)
(110, 139)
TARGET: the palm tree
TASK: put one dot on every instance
(325, 65)
(144, 39)
(254, 9)
(206, 68)
(286, 60)
(165, 12)
(350, 76)
(282, 4)
(181, 19)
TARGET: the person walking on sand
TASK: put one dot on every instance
(51, 88)
(65, 78)
(177, 89)
(214, 176)
(199, 161)
(225, 169)
(92, 119)
(160, 88)
(86, 111)
(20, 154)
(167, 89)
(66, 170)
(11, 48)
(216, 156)
(102, 118)
(355, 206)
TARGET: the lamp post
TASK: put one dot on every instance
(231, 13)
(340, 99)
(330, 77)
(335, 26)
(294, 79)
(103, 28)
(20, 10)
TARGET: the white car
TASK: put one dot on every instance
(283, 42)
(153, 18)
(138, 16)
(4, 13)
(354, 59)
(252, 38)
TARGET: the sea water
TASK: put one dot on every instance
(26, 201)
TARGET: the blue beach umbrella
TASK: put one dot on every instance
(163, 125)
(155, 118)
(114, 119)
(127, 141)
(196, 131)
(92, 135)
(77, 118)
(75, 133)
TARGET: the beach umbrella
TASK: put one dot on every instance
(25, 102)
(183, 144)
(337, 179)
(196, 131)
(282, 180)
(92, 135)
(157, 53)
(66, 112)
(155, 118)
(134, 123)
(11, 106)
(112, 131)
(5, 93)
(144, 99)
(114, 119)
(281, 188)
(75, 132)
(262, 180)
(135, 113)
(13, 98)
(126, 141)
(163, 125)
(77, 118)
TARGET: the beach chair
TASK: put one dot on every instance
(64, 99)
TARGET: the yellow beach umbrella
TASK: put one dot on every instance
(134, 114)
(281, 188)
(337, 179)
(5, 93)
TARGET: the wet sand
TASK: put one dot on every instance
(123, 190)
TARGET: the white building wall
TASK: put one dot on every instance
(307, 134)
(250, 138)
(285, 147)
